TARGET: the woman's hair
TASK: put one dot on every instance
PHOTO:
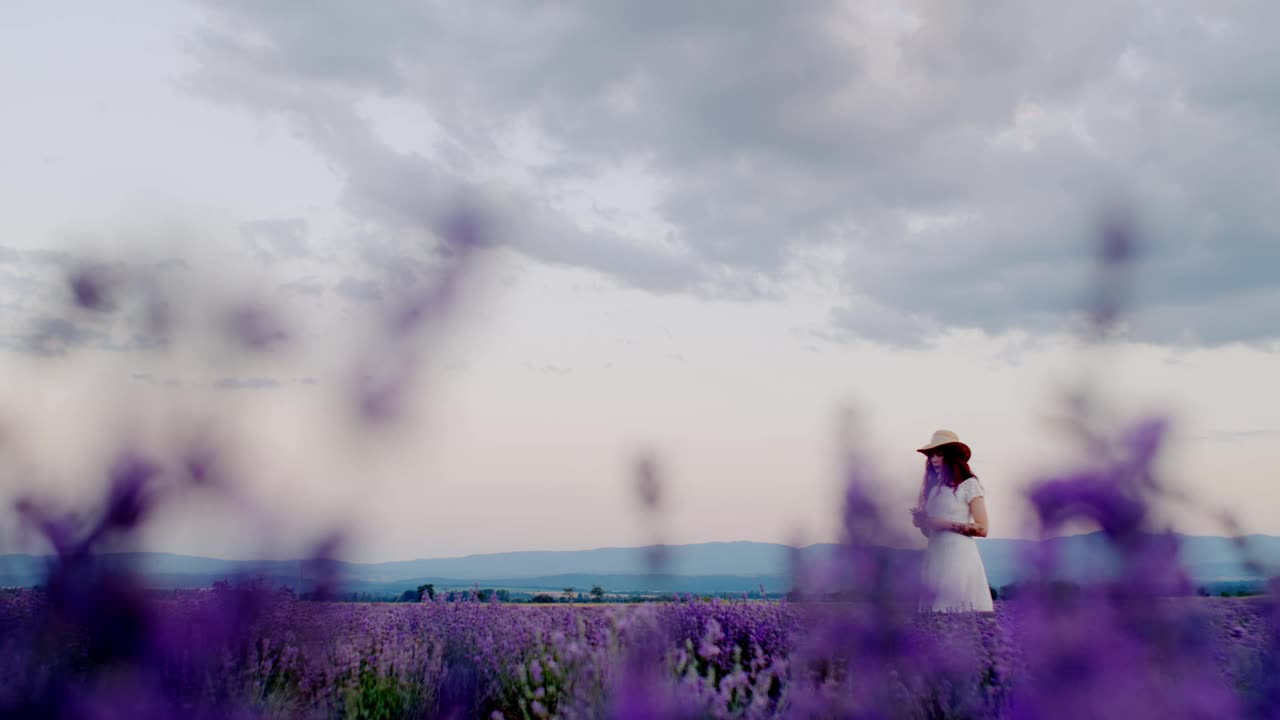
(956, 470)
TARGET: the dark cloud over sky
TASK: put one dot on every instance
(956, 155)
(54, 336)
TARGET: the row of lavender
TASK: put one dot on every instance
(254, 654)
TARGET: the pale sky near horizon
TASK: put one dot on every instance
(714, 228)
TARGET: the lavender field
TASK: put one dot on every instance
(241, 653)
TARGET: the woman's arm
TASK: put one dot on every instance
(977, 528)
(938, 524)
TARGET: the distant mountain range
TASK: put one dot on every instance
(700, 568)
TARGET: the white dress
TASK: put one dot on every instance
(953, 569)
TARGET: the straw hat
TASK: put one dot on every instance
(946, 437)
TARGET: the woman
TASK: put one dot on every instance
(951, 513)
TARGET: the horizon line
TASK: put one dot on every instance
(589, 549)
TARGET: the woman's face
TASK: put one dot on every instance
(935, 461)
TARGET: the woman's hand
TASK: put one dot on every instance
(920, 520)
(928, 524)
(918, 517)
(938, 524)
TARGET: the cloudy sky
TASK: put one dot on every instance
(704, 232)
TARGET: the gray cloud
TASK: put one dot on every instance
(957, 153)
(309, 285)
(225, 383)
(359, 290)
(547, 369)
(62, 302)
(145, 341)
(57, 258)
(150, 379)
(1226, 436)
(170, 265)
(253, 383)
(284, 239)
(54, 337)
(18, 284)
(256, 383)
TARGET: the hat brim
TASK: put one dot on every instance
(963, 448)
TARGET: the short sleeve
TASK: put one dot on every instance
(971, 489)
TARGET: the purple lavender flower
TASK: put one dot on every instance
(92, 289)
